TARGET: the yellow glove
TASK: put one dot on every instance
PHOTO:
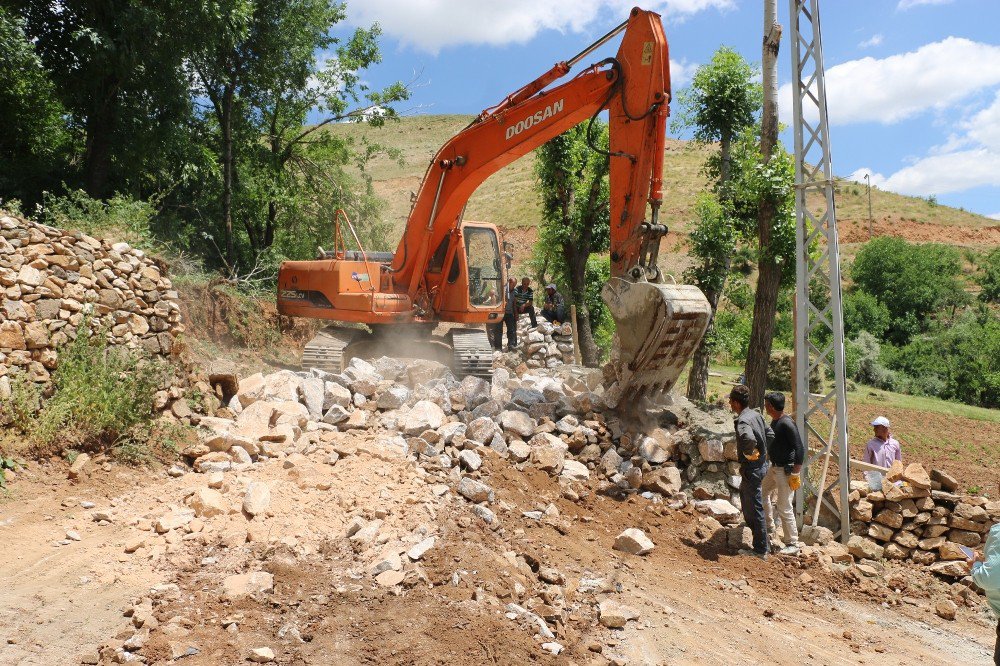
(755, 456)
(794, 482)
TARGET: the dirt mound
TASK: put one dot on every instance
(856, 231)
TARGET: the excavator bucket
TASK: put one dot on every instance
(659, 327)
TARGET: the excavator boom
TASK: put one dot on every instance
(442, 271)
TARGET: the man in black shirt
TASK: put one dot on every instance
(782, 480)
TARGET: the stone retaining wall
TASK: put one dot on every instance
(51, 279)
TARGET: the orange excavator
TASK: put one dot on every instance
(448, 269)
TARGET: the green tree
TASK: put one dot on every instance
(712, 240)
(774, 208)
(118, 70)
(36, 144)
(989, 279)
(864, 314)
(914, 283)
(722, 101)
(573, 181)
(258, 68)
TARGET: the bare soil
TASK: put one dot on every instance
(697, 602)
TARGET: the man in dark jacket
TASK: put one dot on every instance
(510, 314)
(752, 436)
(782, 480)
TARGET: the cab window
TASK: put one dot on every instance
(483, 258)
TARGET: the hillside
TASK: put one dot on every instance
(510, 199)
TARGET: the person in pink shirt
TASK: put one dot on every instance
(882, 449)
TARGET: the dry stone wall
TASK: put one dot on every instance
(51, 279)
(918, 517)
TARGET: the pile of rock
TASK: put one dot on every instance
(918, 517)
(545, 345)
(551, 420)
(51, 279)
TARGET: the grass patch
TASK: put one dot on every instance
(101, 400)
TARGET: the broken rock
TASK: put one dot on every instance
(257, 498)
(242, 585)
(614, 615)
(634, 541)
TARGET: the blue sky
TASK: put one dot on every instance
(914, 85)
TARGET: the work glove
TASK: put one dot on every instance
(794, 482)
(753, 456)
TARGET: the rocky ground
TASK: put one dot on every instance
(394, 515)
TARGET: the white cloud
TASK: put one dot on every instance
(859, 176)
(984, 127)
(681, 73)
(994, 216)
(951, 172)
(907, 4)
(874, 40)
(430, 25)
(888, 90)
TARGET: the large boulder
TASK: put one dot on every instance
(634, 541)
(424, 415)
(864, 549)
(720, 509)
(336, 394)
(517, 423)
(482, 430)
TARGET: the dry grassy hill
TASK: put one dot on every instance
(510, 199)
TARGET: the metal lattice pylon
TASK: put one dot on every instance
(819, 327)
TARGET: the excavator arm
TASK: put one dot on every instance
(659, 325)
(634, 87)
(449, 269)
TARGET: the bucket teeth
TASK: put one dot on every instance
(658, 327)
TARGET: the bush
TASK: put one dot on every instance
(120, 216)
(102, 397)
(912, 282)
(863, 313)
(864, 365)
(989, 279)
(956, 362)
(602, 324)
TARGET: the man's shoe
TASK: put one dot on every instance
(789, 550)
(753, 553)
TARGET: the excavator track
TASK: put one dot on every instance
(473, 354)
(326, 350)
(332, 347)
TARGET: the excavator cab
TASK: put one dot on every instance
(473, 292)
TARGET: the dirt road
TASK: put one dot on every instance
(695, 602)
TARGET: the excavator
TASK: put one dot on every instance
(448, 269)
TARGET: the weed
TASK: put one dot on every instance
(23, 403)
(974, 490)
(71, 455)
(5, 464)
(101, 396)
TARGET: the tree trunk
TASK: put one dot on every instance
(576, 260)
(725, 151)
(698, 376)
(227, 172)
(769, 271)
(100, 129)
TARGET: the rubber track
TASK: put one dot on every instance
(473, 353)
(326, 350)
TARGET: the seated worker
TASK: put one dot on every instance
(554, 309)
(524, 300)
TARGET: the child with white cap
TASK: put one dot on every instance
(883, 448)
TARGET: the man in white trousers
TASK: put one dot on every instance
(782, 480)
